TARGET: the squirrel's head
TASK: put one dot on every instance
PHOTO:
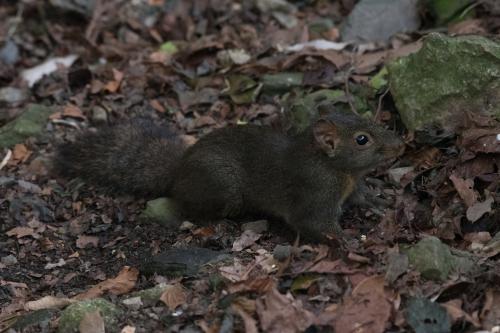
(353, 142)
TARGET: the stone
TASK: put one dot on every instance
(71, 316)
(161, 211)
(9, 260)
(379, 20)
(435, 260)
(282, 252)
(11, 95)
(445, 80)
(30, 123)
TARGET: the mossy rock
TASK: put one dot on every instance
(30, 123)
(445, 79)
(71, 317)
(161, 211)
(436, 261)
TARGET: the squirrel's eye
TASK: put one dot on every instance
(362, 139)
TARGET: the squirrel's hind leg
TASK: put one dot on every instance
(212, 193)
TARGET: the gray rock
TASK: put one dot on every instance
(71, 316)
(379, 20)
(133, 303)
(282, 252)
(9, 53)
(30, 123)
(435, 261)
(445, 80)
(9, 260)
(99, 115)
(11, 95)
(256, 226)
(425, 316)
(181, 262)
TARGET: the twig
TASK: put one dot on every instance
(347, 91)
(379, 106)
(6, 159)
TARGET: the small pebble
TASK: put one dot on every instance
(282, 252)
(9, 260)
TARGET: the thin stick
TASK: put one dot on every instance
(6, 159)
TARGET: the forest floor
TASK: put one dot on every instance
(195, 66)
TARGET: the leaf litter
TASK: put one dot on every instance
(197, 66)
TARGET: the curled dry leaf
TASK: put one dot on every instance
(247, 239)
(20, 154)
(258, 285)
(20, 232)
(48, 302)
(83, 241)
(121, 284)
(173, 296)
(283, 313)
(454, 309)
(248, 321)
(465, 189)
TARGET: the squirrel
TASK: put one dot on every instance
(302, 179)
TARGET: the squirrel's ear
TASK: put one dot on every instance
(326, 135)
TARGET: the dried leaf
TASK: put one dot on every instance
(83, 241)
(478, 209)
(121, 284)
(92, 322)
(47, 302)
(173, 296)
(283, 313)
(369, 307)
(247, 239)
(465, 188)
(20, 232)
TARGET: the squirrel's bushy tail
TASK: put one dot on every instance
(135, 158)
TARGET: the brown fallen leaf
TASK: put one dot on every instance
(283, 313)
(490, 313)
(454, 309)
(121, 284)
(368, 308)
(173, 296)
(20, 232)
(465, 189)
(259, 285)
(113, 86)
(468, 27)
(480, 140)
(248, 321)
(128, 329)
(333, 267)
(236, 272)
(48, 302)
(83, 241)
(92, 322)
(247, 239)
(20, 154)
